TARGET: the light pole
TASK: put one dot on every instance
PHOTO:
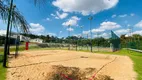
(81, 35)
(59, 40)
(129, 38)
(7, 34)
(91, 18)
(87, 39)
(69, 27)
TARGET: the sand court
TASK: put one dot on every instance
(38, 64)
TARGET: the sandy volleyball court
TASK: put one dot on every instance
(69, 65)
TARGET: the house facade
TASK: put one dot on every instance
(37, 40)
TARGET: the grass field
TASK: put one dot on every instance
(135, 56)
(2, 70)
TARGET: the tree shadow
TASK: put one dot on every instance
(1, 58)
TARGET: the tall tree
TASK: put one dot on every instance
(6, 12)
(17, 20)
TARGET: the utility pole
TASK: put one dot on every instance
(81, 35)
(69, 27)
(87, 41)
(59, 40)
(91, 18)
(7, 34)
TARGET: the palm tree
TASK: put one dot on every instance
(17, 20)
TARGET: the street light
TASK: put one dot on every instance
(86, 33)
(81, 35)
(69, 27)
(81, 31)
(91, 18)
(7, 34)
(58, 37)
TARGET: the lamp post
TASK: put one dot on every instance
(81, 35)
(87, 39)
(69, 27)
(91, 18)
(81, 31)
(7, 34)
(59, 40)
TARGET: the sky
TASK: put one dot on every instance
(54, 17)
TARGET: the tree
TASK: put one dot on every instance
(136, 36)
(17, 19)
(7, 13)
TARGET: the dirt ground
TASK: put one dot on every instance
(69, 65)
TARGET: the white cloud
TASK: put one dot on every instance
(48, 19)
(86, 32)
(36, 28)
(113, 16)
(122, 16)
(97, 30)
(57, 17)
(93, 6)
(53, 15)
(70, 29)
(60, 31)
(139, 24)
(51, 34)
(77, 35)
(122, 31)
(61, 16)
(109, 25)
(73, 21)
(95, 36)
(132, 14)
(105, 35)
(137, 32)
(2, 32)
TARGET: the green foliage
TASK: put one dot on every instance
(1, 40)
(134, 41)
(2, 70)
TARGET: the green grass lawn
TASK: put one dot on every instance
(2, 70)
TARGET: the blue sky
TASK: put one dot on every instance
(54, 16)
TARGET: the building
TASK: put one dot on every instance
(22, 38)
(37, 40)
(15, 35)
(2, 32)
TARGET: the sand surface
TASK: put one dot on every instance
(38, 64)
